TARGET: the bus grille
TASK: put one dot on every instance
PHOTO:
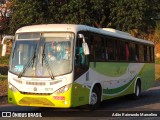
(36, 101)
(30, 93)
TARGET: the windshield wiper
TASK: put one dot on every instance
(31, 61)
(47, 64)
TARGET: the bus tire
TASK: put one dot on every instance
(95, 99)
(137, 92)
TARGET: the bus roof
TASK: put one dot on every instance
(75, 28)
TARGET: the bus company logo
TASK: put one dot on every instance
(35, 89)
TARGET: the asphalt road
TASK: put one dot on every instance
(147, 107)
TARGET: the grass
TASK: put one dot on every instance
(3, 77)
(3, 85)
(4, 61)
(3, 89)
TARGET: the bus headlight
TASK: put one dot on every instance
(63, 89)
(14, 89)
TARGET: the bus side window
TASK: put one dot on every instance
(145, 53)
(148, 54)
(127, 51)
(151, 54)
(121, 50)
(110, 49)
(133, 53)
(141, 53)
(137, 53)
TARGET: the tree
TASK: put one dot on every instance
(89, 12)
(28, 12)
(5, 11)
(54, 11)
(156, 36)
(135, 16)
(100, 12)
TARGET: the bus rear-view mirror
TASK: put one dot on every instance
(85, 48)
(84, 44)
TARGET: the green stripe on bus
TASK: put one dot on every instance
(116, 90)
(110, 69)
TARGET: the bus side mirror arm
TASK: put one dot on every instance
(4, 49)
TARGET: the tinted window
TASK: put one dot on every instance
(121, 50)
(110, 49)
(141, 53)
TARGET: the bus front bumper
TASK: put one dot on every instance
(40, 100)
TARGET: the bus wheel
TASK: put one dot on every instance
(137, 90)
(95, 98)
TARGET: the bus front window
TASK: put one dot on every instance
(45, 56)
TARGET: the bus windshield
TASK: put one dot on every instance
(42, 54)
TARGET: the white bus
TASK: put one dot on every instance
(64, 65)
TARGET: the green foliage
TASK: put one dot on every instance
(125, 15)
(89, 12)
(75, 12)
(28, 12)
(133, 14)
(3, 60)
(3, 77)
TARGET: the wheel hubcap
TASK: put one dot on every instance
(93, 98)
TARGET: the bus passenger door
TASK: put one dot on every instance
(81, 66)
(81, 60)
